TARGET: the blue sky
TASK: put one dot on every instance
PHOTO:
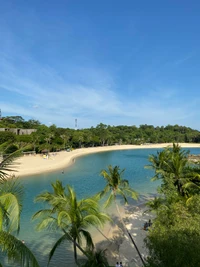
(111, 61)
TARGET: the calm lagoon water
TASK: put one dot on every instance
(84, 177)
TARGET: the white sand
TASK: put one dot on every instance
(30, 164)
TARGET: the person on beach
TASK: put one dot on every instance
(146, 225)
(117, 264)
(150, 223)
(120, 264)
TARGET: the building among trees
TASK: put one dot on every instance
(18, 131)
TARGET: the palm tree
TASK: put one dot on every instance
(65, 139)
(35, 138)
(115, 185)
(172, 165)
(11, 194)
(70, 215)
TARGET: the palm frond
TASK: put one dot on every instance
(58, 243)
(63, 215)
(109, 200)
(130, 192)
(58, 188)
(8, 163)
(16, 250)
(42, 214)
(122, 193)
(11, 197)
(49, 223)
(88, 238)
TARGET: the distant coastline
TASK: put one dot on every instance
(36, 164)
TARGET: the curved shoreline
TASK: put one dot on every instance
(36, 164)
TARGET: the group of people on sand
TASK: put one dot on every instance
(147, 225)
(119, 264)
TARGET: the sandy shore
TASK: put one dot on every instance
(134, 218)
(30, 164)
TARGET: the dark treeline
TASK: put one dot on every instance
(55, 138)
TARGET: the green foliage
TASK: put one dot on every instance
(11, 148)
(115, 185)
(11, 195)
(174, 239)
(16, 251)
(7, 137)
(69, 214)
(171, 165)
(193, 204)
(55, 138)
(7, 165)
(24, 138)
(18, 122)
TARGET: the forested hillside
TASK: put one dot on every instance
(54, 138)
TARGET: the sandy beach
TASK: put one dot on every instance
(120, 248)
(36, 164)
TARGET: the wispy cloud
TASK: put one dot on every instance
(182, 60)
(48, 96)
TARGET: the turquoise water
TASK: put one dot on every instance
(84, 177)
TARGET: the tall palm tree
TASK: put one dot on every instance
(11, 194)
(71, 215)
(115, 186)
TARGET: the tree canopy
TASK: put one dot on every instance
(174, 238)
(55, 138)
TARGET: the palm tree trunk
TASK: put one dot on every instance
(76, 244)
(75, 251)
(129, 235)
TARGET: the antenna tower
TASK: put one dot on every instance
(75, 124)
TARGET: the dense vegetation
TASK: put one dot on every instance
(54, 138)
(174, 239)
